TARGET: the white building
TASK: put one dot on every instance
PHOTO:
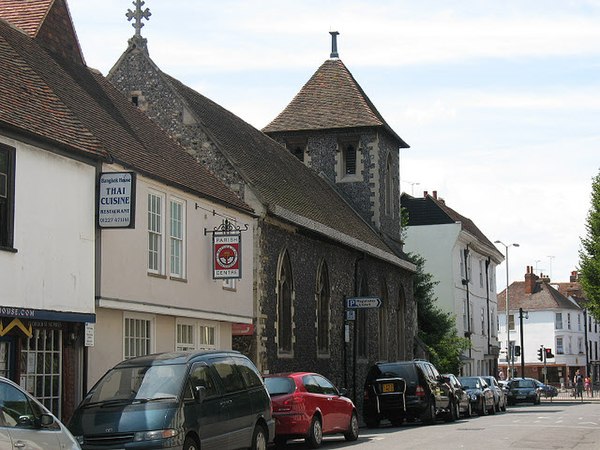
(550, 321)
(463, 261)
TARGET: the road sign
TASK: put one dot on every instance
(363, 302)
(350, 314)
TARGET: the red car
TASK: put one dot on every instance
(307, 405)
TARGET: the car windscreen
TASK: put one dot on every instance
(391, 370)
(470, 383)
(139, 383)
(522, 384)
(279, 385)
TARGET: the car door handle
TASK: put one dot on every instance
(19, 444)
(226, 403)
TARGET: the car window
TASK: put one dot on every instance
(14, 404)
(279, 385)
(248, 371)
(311, 385)
(434, 371)
(201, 376)
(326, 386)
(471, 383)
(230, 378)
(427, 371)
(391, 370)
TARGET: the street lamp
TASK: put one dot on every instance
(509, 352)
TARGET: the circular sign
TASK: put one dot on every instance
(227, 255)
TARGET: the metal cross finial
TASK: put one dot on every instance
(138, 15)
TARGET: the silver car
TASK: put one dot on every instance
(26, 423)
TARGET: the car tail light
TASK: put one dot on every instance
(291, 403)
(420, 391)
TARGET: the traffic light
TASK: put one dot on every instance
(541, 353)
(517, 350)
(549, 353)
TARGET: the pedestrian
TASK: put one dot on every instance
(587, 385)
(578, 382)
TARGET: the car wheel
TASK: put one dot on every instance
(315, 433)
(352, 433)
(429, 416)
(190, 444)
(469, 409)
(259, 438)
(483, 408)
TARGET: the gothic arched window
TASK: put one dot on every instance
(323, 309)
(285, 296)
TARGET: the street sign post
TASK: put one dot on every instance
(363, 302)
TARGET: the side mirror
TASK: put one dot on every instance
(46, 420)
(343, 392)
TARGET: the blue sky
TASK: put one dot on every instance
(499, 101)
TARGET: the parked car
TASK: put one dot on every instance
(546, 390)
(307, 405)
(26, 423)
(523, 390)
(460, 392)
(499, 395)
(407, 390)
(482, 397)
(184, 400)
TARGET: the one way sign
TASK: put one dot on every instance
(363, 302)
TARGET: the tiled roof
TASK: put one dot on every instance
(433, 211)
(77, 109)
(284, 185)
(544, 297)
(28, 15)
(331, 99)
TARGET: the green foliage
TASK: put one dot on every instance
(589, 254)
(437, 329)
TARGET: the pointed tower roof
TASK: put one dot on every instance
(331, 99)
(48, 22)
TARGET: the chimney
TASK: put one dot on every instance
(435, 194)
(574, 277)
(425, 194)
(334, 52)
(530, 279)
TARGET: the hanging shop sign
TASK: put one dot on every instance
(10, 326)
(226, 251)
(116, 200)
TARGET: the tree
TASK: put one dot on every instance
(589, 254)
(437, 329)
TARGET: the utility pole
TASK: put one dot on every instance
(522, 346)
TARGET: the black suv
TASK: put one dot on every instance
(407, 390)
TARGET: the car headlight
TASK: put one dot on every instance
(154, 435)
(79, 440)
(473, 397)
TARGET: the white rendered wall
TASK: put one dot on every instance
(53, 268)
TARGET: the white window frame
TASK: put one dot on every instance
(229, 284)
(177, 241)
(156, 228)
(205, 325)
(480, 273)
(147, 318)
(341, 160)
(190, 344)
(568, 321)
(558, 324)
(560, 345)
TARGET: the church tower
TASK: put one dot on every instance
(333, 127)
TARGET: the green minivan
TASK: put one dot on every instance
(183, 400)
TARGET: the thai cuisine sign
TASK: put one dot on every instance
(116, 200)
(227, 255)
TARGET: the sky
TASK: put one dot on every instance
(499, 101)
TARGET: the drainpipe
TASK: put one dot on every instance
(487, 301)
(465, 283)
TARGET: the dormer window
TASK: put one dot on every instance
(138, 100)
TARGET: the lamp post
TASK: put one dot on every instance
(509, 351)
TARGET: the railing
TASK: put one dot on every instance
(568, 391)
